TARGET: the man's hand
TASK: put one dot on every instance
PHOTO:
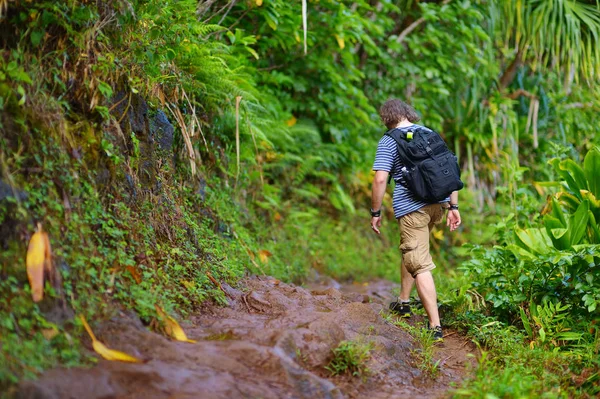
(376, 224)
(453, 219)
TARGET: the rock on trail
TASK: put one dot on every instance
(273, 341)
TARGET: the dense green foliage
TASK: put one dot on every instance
(270, 158)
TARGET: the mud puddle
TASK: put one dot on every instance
(273, 341)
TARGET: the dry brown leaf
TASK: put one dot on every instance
(48, 266)
(172, 328)
(104, 351)
(3, 8)
(36, 257)
(134, 273)
(264, 255)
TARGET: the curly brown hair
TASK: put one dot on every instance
(394, 111)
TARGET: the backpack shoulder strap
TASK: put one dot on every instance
(399, 137)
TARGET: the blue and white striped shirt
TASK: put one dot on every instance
(388, 160)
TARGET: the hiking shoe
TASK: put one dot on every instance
(401, 309)
(438, 334)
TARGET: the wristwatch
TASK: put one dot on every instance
(375, 214)
(453, 207)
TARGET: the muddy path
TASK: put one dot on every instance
(272, 341)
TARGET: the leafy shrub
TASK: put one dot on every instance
(553, 262)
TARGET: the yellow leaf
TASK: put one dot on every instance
(172, 328)
(292, 121)
(340, 41)
(49, 333)
(36, 256)
(104, 351)
(259, 2)
(271, 155)
(438, 234)
(264, 255)
(113, 355)
(190, 285)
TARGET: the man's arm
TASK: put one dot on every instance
(453, 219)
(379, 185)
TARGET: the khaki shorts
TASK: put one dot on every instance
(414, 237)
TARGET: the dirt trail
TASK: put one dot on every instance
(273, 341)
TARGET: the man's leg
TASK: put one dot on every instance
(426, 290)
(415, 229)
(407, 282)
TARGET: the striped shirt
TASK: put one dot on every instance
(388, 160)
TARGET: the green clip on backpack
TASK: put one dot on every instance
(430, 169)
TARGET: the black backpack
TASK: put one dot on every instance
(430, 169)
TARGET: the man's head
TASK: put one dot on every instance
(395, 111)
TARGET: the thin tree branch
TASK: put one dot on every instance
(227, 12)
(240, 18)
(203, 7)
(578, 105)
(414, 26)
(520, 92)
(509, 74)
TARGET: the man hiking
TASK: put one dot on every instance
(415, 216)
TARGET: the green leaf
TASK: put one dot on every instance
(558, 213)
(526, 323)
(569, 200)
(568, 336)
(578, 223)
(521, 252)
(560, 238)
(36, 37)
(591, 167)
(20, 75)
(542, 334)
(253, 52)
(595, 236)
(573, 175)
(21, 92)
(535, 240)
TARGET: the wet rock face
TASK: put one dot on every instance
(162, 131)
(7, 191)
(11, 225)
(273, 341)
(139, 133)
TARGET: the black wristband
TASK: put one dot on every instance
(375, 214)
(453, 207)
